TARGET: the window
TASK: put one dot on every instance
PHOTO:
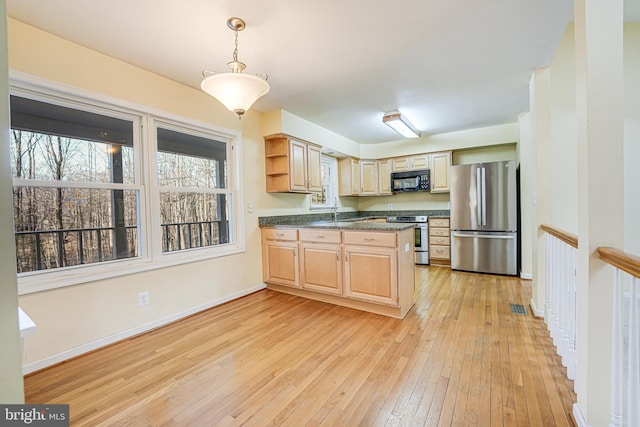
(328, 172)
(74, 197)
(194, 195)
(86, 195)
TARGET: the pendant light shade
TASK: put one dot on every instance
(235, 90)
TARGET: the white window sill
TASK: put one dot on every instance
(29, 283)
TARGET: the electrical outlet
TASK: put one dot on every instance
(389, 205)
(143, 298)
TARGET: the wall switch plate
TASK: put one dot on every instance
(389, 205)
(143, 298)
(250, 207)
(406, 247)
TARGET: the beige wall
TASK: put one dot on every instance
(632, 138)
(11, 389)
(563, 162)
(480, 137)
(75, 318)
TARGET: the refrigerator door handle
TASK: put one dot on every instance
(482, 236)
(484, 197)
(479, 195)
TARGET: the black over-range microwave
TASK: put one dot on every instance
(417, 180)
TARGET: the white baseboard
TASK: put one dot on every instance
(578, 417)
(536, 312)
(527, 276)
(68, 354)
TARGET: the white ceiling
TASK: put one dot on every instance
(446, 64)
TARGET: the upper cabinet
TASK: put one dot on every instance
(292, 165)
(384, 177)
(364, 177)
(368, 177)
(440, 163)
(349, 176)
(409, 163)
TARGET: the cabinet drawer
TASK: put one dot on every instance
(369, 238)
(439, 222)
(434, 231)
(439, 240)
(280, 234)
(320, 236)
(440, 252)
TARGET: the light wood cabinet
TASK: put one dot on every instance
(371, 269)
(440, 163)
(367, 270)
(321, 261)
(280, 256)
(349, 176)
(364, 177)
(408, 163)
(439, 241)
(384, 177)
(291, 165)
(368, 177)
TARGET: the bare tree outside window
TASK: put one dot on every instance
(69, 204)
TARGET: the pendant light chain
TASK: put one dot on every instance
(235, 51)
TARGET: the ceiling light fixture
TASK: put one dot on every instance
(396, 121)
(235, 90)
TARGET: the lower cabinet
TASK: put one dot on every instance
(371, 274)
(321, 261)
(280, 257)
(367, 270)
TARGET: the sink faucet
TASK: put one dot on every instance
(335, 209)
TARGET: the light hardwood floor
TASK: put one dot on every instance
(460, 357)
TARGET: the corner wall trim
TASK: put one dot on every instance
(102, 342)
(536, 312)
(577, 416)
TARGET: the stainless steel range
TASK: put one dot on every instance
(421, 233)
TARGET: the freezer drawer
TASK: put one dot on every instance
(484, 252)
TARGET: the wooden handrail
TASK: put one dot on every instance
(619, 259)
(568, 238)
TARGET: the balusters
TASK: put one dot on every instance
(560, 300)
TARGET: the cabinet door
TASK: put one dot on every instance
(355, 177)
(440, 163)
(368, 177)
(400, 164)
(384, 177)
(370, 274)
(321, 267)
(314, 175)
(298, 166)
(280, 262)
(420, 161)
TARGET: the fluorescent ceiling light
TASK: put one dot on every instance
(396, 121)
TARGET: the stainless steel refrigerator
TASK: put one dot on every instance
(484, 218)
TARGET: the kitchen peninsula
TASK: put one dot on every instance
(361, 263)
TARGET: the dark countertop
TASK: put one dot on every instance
(346, 220)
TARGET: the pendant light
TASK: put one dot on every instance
(235, 90)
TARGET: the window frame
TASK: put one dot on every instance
(150, 256)
(332, 195)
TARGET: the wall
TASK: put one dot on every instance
(480, 137)
(632, 137)
(11, 388)
(77, 318)
(564, 143)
